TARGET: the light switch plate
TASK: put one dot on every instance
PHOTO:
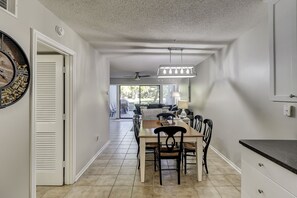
(287, 110)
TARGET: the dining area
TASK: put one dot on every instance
(170, 138)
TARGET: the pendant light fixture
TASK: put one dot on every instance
(176, 70)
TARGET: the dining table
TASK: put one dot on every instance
(147, 135)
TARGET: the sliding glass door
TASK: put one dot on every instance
(129, 96)
(140, 94)
(149, 94)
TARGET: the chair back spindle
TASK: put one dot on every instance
(198, 121)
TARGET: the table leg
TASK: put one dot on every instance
(199, 155)
(142, 159)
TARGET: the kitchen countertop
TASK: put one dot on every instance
(282, 152)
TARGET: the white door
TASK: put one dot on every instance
(49, 120)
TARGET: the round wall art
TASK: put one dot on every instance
(14, 71)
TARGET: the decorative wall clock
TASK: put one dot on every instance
(14, 71)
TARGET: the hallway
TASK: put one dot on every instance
(114, 174)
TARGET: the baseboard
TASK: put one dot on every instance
(91, 161)
(226, 159)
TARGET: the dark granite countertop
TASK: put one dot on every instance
(282, 152)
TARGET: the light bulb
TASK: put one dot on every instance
(170, 71)
(188, 71)
(176, 71)
(164, 71)
(181, 71)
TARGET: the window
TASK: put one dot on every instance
(149, 94)
(10, 6)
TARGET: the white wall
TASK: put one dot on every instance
(92, 102)
(232, 89)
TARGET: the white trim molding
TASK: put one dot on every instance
(70, 108)
(81, 172)
(15, 13)
(226, 159)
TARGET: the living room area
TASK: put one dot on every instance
(150, 95)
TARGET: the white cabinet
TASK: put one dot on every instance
(283, 50)
(264, 178)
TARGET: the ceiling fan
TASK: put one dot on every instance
(138, 76)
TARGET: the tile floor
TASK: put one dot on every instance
(114, 174)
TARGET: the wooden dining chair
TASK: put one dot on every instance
(190, 149)
(198, 122)
(150, 148)
(168, 149)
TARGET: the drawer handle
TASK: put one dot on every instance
(292, 96)
(260, 191)
(260, 164)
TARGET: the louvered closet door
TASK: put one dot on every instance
(49, 120)
(3, 4)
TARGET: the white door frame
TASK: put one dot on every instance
(70, 109)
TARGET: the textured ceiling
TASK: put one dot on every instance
(134, 34)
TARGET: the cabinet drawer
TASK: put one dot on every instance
(255, 184)
(278, 174)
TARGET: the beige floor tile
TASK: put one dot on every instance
(149, 180)
(125, 142)
(87, 180)
(203, 183)
(94, 170)
(115, 162)
(106, 180)
(99, 192)
(124, 146)
(228, 192)
(118, 156)
(104, 157)
(127, 170)
(125, 180)
(57, 192)
(234, 179)
(175, 191)
(41, 190)
(219, 180)
(132, 151)
(167, 179)
(99, 163)
(110, 171)
(121, 192)
(135, 146)
(78, 192)
(130, 156)
(124, 150)
(109, 151)
(143, 192)
(130, 163)
(207, 192)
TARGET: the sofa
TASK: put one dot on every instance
(150, 111)
(138, 107)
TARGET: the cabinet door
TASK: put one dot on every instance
(283, 50)
(256, 185)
